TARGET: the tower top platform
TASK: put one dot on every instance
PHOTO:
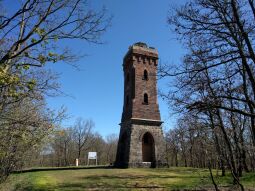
(141, 48)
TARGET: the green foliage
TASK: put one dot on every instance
(40, 31)
(26, 54)
(33, 40)
(15, 87)
(31, 84)
(52, 54)
(26, 67)
(42, 59)
(55, 38)
(10, 80)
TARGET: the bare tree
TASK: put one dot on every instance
(111, 148)
(83, 135)
(41, 23)
(216, 78)
(219, 34)
(61, 142)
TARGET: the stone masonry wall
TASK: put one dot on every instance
(131, 147)
(137, 132)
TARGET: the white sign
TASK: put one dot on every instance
(92, 155)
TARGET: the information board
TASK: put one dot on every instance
(92, 155)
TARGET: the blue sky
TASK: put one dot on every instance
(97, 89)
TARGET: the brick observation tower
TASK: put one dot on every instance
(141, 142)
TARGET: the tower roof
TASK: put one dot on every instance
(141, 48)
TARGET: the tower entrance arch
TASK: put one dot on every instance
(148, 148)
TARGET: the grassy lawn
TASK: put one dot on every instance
(118, 179)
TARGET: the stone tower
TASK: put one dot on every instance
(141, 142)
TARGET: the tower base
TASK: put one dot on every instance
(141, 144)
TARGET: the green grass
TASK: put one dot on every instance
(118, 179)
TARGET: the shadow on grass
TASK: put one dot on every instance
(93, 167)
(133, 177)
(98, 186)
(93, 186)
(61, 168)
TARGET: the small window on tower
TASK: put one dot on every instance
(145, 75)
(145, 99)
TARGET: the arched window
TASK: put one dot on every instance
(145, 75)
(145, 99)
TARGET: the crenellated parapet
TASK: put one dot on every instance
(141, 54)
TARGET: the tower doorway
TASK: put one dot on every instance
(148, 148)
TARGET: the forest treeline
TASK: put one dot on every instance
(65, 145)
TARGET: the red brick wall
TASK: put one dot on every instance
(135, 62)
